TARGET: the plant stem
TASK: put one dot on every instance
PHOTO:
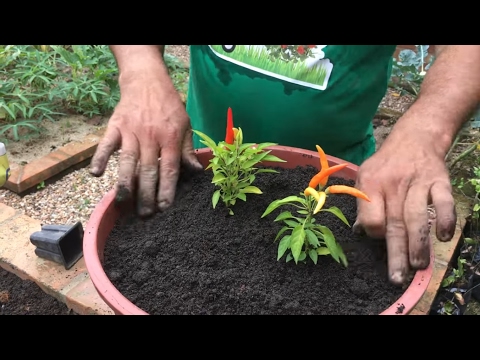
(454, 145)
(464, 154)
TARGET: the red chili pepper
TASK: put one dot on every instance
(324, 173)
(230, 136)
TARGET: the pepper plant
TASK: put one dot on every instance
(233, 165)
(302, 235)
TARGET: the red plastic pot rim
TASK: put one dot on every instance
(122, 306)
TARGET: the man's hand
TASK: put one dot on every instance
(409, 169)
(401, 179)
(150, 122)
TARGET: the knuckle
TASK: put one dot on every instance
(373, 223)
(169, 171)
(148, 175)
(395, 226)
(128, 156)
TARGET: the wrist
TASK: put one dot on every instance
(420, 125)
(139, 63)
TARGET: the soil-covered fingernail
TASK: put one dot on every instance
(145, 211)
(420, 263)
(397, 277)
(94, 171)
(123, 194)
(163, 205)
(445, 234)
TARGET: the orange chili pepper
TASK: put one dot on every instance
(324, 173)
(230, 135)
(343, 189)
(323, 164)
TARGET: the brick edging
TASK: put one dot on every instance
(25, 177)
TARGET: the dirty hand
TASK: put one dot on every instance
(149, 122)
(402, 179)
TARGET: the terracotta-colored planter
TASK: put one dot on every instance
(105, 214)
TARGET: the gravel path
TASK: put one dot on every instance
(67, 200)
(180, 51)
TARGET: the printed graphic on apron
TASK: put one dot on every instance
(304, 65)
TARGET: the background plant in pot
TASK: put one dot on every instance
(458, 285)
(233, 165)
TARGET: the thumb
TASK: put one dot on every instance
(189, 158)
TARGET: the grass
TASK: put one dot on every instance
(39, 82)
(259, 58)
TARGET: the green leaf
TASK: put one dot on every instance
(245, 146)
(323, 251)
(329, 241)
(302, 256)
(312, 238)
(283, 246)
(447, 281)
(242, 184)
(303, 212)
(470, 241)
(272, 158)
(313, 255)
(282, 230)
(219, 177)
(252, 162)
(283, 216)
(208, 141)
(230, 160)
(251, 190)
(277, 203)
(297, 241)
(242, 196)
(289, 257)
(215, 198)
(338, 213)
(264, 145)
(7, 109)
(291, 223)
(230, 147)
(342, 256)
(266, 171)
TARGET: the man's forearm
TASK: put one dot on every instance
(448, 96)
(136, 61)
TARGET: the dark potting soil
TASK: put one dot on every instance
(24, 297)
(193, 259)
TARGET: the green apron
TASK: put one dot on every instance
(293, 95)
